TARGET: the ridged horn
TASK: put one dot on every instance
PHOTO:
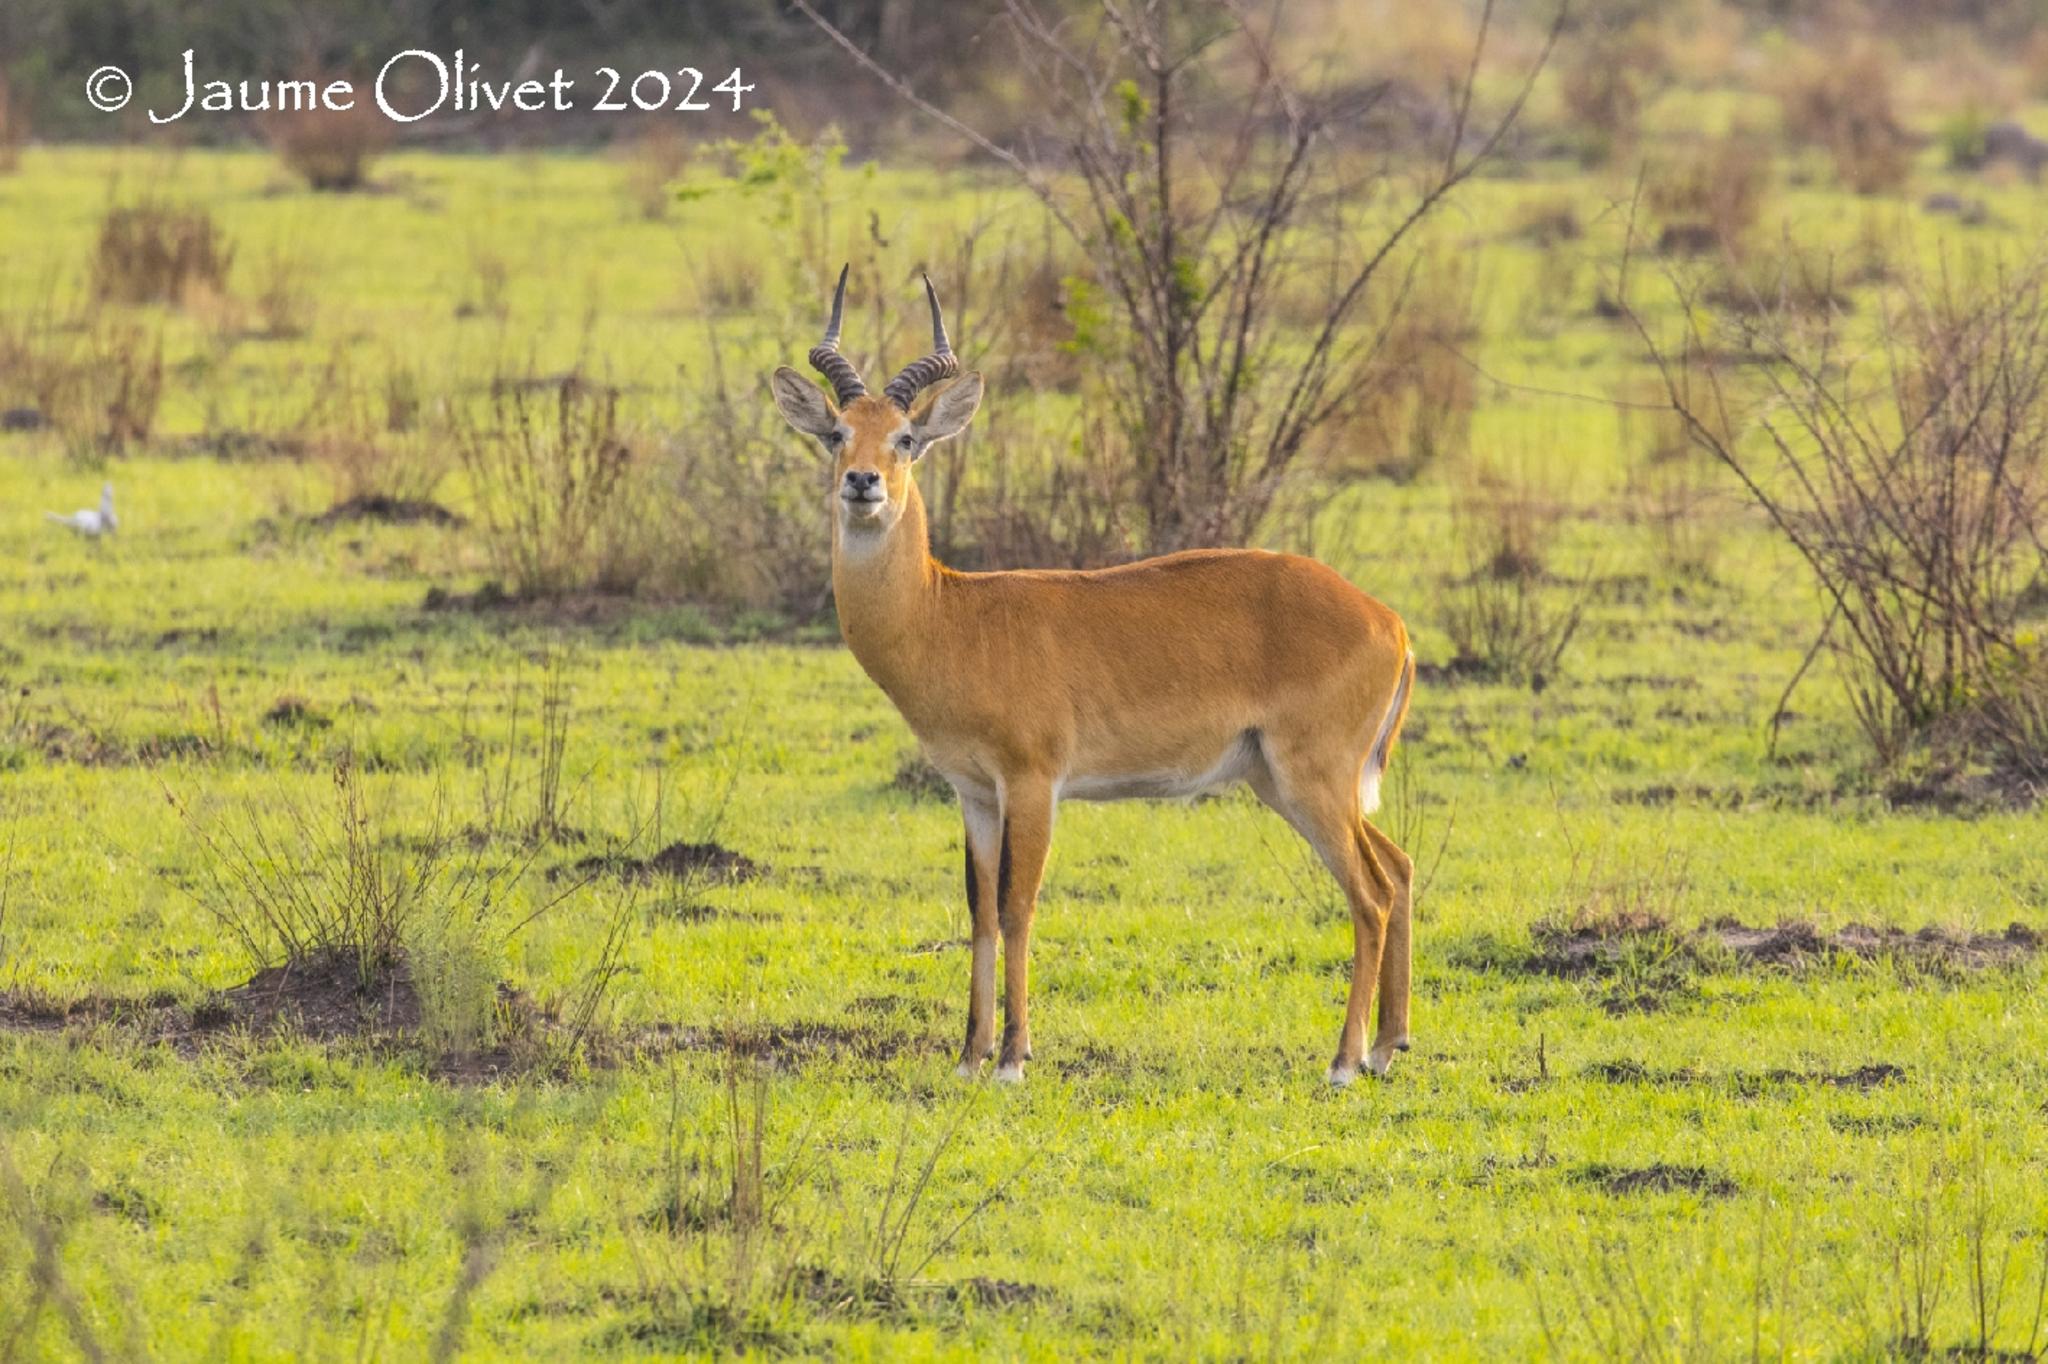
(825, 357)
(919, 375)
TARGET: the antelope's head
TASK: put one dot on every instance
(875, 441)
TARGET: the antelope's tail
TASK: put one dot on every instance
(1383, 746)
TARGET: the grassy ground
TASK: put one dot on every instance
(1652, 1144)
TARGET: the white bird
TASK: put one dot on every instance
(89, 521)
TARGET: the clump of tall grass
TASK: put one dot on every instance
(747, 1239)
(384, 447)
(655, 160)
(96, 376)
(294, 881)
(1709, 194)
(1606, 76)
(282, 294)
(1506, 615)
(1413, 403)
(549, 466)
(153, 252)
(1842, 101)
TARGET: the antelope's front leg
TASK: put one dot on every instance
(984, 831)
(1026, 838)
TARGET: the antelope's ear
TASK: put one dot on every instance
(952, 409)
(802, 404)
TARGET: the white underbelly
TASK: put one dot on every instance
(1237, 762)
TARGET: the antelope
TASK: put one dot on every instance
(1168, 677)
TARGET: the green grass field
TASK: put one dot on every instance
(1650, 1145)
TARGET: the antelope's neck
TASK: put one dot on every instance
(887, 595)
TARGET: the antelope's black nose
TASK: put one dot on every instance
(861, 482)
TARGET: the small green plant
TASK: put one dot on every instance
(1962, 137)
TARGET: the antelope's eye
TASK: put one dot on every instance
(905, 441)
(835, 438)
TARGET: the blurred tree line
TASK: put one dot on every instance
(945, 48)
(47, 47)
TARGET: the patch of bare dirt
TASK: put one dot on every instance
(1461, 668)
(1952, 791)
(62, 744)
(1862, 1078)
(877, 1298)
(1085, 1059)
(296, 712)
(790, 1044)
(569, 608)
(1877, 1125)
(678, 861)
(1609, 946)
(987, 1292)
(1659, 1178)
(392, 511)
(323, 999)
(694, 913)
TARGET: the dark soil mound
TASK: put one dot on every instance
(1659, 1178)
(785, 1044)
(1607, 946)
(324, 997)
(392, 511)
(678, 861)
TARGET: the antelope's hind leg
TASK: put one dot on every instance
(1397, 957)
(1325, 812)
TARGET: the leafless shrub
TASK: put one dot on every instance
(1051, 496)
(1417, 817)
(1174, 150)
(743, 1232)
(1954, 1222)
(293, 880)
(1412, 402)
(732, 1226)
(727, 274)
(1504, 615)
(1675, 500)
(283, 294)
(1842, 101)
(379, 448)
(1793, 278)
(1708, 195)
(96, 375)
(490, 283)
(1544, 220)
(548, 469)
(741, 520)
(1607, 73)
(329, 149)
(1600, 1296)
(152, 252)
(1026, 486)
(1912, 482)
(655, 158)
